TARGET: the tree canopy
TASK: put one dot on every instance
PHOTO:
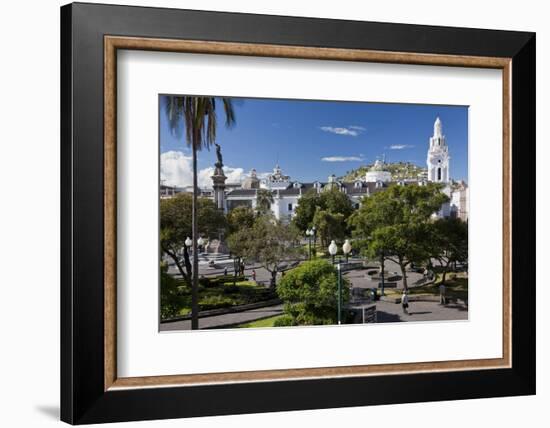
(328, 211)
(310, 293)
(395, 222)
(449, 242)
(240, 217)
(268, 242)
(264, 199)
(175, 226)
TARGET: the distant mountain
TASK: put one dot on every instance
(398, 170)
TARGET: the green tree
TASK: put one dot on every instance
(395, 223)
(335, 202)
(197, 115)
(328, 211)
(305, 211)
(268, 242)
(176, 226)
(171, 301)
(264, 199)
(329, 226)
(449, 241)
(240, 217)
(310, 293)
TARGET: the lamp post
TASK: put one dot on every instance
(382, 259)
(309, 233)
(332, 249)
(339, 293)
(346, 248)
(188, 242)
(314, 233)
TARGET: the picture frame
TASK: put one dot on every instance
(91, 391)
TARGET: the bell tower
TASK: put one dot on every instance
(438, 156)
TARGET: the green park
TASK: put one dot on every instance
(390, 252)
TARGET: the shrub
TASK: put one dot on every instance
(171, 299)
(284, 321)
(215, 302)
(310, 293)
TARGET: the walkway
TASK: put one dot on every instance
(225, 320)
(420, 311)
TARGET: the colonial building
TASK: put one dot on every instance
(286, 192)
(438, 156)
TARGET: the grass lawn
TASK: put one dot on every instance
(224, 295)
(264, 322)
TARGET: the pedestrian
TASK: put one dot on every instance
(242, 268)
(442, 297)
(254, 275)
(405, 302)
(225, 271)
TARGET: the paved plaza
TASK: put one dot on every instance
(359, 278)
(420, 311)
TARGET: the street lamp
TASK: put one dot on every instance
(339, 293)
(332, 249)
(309, 233)
(314, 233)
(346, 248)
(188, 242)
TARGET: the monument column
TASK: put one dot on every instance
(218, 180)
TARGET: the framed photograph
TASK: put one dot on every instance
(267, 213)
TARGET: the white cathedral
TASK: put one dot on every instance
(286, 193)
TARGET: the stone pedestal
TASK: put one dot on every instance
(218, 180)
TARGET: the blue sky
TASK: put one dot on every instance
(313, 139)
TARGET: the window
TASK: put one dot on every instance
(438, 174)
(290, 207)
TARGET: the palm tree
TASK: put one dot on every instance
(198, 116)
(264, 199)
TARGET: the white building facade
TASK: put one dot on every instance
(286, 193)
(438, 156)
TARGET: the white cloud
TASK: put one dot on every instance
(357, 128)
(351, 131)
(176, 169)
(401, 146)
(234, 175)
(342, 159)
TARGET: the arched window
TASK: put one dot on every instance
(439, 174)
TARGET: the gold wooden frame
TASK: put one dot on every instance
(113, 43)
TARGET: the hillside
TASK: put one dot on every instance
(399, 171)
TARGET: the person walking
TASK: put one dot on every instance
(405, 302)
(254, 275)
(225, 271)
(442, 297)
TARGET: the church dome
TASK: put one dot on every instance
(378, 166)
(377, 173)
(252, 181)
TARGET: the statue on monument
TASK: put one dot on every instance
(219, 163)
